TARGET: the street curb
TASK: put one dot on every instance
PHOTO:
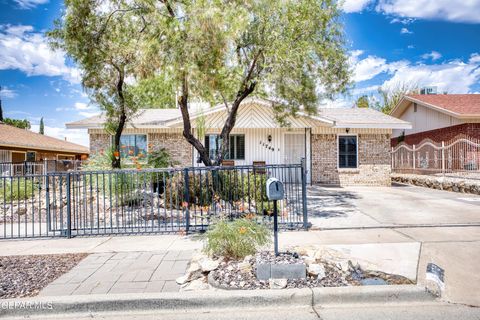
(371, 294)
(210, 300)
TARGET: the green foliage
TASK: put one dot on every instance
(42, 127)
(236, 239)
(100, 161)
(229, 186)
(160, 159)
(391, 96)
(22, 124)
(156, 92)
(290, 47)
(17, 189)
(362, 102)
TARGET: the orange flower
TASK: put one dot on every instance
(184, 204)
(116, 154)
(242, 230)
(130, 152)
(139, 167)
(123, 147)
(250, 216)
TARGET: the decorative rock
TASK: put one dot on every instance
(245, 267)
(309, 260)
(195, 285)
(208, 264)
(277, 283)
(317, 270)
(182, 280)
(194, 267)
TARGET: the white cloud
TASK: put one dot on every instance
(23, 49)
(404, 21)
(28, 4)
(350, 6)
(79, 136)
(453, 77)
(371, 66)
(449, 10)
(405, 31)
(82, 109)
(434, 55)
(411, 46)
(8, 93)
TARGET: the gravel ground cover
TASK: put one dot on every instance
(25, 276)
(241, 274)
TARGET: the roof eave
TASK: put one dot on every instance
(373, 126)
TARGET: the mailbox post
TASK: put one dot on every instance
(275, 192)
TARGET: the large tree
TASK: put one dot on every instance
(391, 95)
(224, 51)
(103, 39)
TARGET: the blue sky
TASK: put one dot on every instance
(426, 42)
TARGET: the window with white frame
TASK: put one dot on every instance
(236, 148)
(133, 145)
(347, 152)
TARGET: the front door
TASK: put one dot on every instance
(294, 147)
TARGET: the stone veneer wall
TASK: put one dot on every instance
(374, 163)
(178, 147)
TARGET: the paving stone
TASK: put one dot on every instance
(155, 286)
(127, 277)
(84, 288)
(180, 266)
(59, 289)
(171, 255)
(102, 287)
(171, 286)
(143, 275)
(185, 255)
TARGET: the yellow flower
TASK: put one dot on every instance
(242, 230)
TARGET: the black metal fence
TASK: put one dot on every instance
(145, 201)
(26, 168)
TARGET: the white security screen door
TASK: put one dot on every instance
(294, 149)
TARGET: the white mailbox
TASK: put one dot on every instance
(275, 189)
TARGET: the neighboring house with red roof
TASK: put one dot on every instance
(19, 145)
(439, 117)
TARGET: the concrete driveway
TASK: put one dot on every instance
(399, 205)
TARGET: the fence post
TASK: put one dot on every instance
(47, 203)
(443, 157)
(69, 208)
(414, 160)
(392, 164)
(186, 200)
(304, 193)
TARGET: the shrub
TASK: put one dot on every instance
(236, 239)
(17, 189)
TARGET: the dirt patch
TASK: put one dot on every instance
(25, 276)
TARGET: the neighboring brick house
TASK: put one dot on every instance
(20, 145)
(439, 117)
(340, 146)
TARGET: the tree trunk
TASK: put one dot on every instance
(230, 122)
(116, 159)
(187, 126)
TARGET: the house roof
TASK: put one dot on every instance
(457, 105)
(20, 138)
(333, 117)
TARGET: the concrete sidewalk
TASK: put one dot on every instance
(404, 251)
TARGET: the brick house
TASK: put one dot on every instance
(20, 145)
(439, 117)
(341, 146)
